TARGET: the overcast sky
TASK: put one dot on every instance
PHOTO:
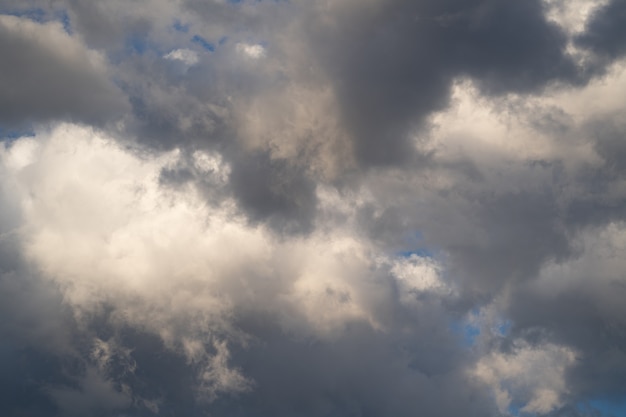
(313, 208)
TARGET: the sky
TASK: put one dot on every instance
(313, 208)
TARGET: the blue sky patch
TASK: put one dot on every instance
(180, 27)
(137, 44)
(64, 18)
(514, 410)
(203, 43)
(41, 16)
(469, 332)
(10, 135)
(503, 327)
(37, 15)
(421, 252)
(606, 408)
(414, 242)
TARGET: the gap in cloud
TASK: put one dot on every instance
(137, 44)
(181, 27)
(468, 332)
(64, 18)
(421, 252)
(11, 135)
(414, 244)
(467, 328)
(478, 321)
(206, 45)
(36, 15)
(42, 16)
(503, 328)
(514, 409)
(133, 45)
(606, 408)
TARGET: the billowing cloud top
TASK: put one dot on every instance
(313, 208)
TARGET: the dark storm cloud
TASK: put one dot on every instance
(492, 236)
(576, 296)
(46, 75)
(392, 62)
(274, 191)
(29, 318)
(390, 65)
(500, 237)
(22, 373)
(42, 372)
(605, 33)
(33, 309)
(584, 322)
(610, 144)
(520, 231)
(601, 202)
(359, 374)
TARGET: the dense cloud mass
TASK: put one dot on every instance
(47, 74)
(313, 208)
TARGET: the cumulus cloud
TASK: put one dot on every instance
(533, 376)
(312, 208)
(166, 262)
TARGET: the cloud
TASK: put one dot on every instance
(186, 56)
(93, 395)
(577, 303)
(419, 48)
(539, 371)
(572, 16)
(47, 74)
(604, 32)
(311, 208)
(174, 268)
(252, 51)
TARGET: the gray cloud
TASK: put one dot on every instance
(417, 49)
(312, 208)
(605, 31)
(272, 190)
(47, 75)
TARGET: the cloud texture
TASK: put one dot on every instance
(312, 208)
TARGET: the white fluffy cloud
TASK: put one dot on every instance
(529, 378)
(187, 56)
(254, 51)
(97, 223)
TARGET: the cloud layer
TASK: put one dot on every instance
(312, 208)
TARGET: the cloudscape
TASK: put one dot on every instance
(313, 208)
